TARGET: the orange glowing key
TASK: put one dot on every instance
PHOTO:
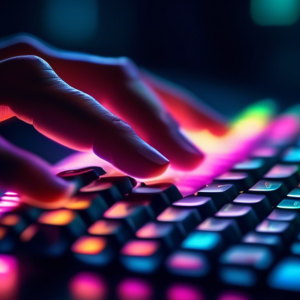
(10, 220)
(140, 248)
(123, 209)
(29, 233)
(57, 217)
(104, 227)
(78, 204)
(172, 214)
(154, 230)
(89, 245)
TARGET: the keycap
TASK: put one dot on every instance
(288, 174)
(273, 241)
(295, 193)
(226, 227)
(242, 214)
(204, 205)
(93, 250)
(142, 256)
(220, 193)
(90, 207)
(259, 203)
(295, 248)
(274, 190)
(291, 155)
(289, 204)
(210, 243)
(166, 233)
(135, 214)
(255, 167)
(241, 180)
(114, 231)
(106, 190)
(284, 229)
(286, 275)
(290, 216)
(241, 264)
(269, 154)
(82, 176)
(7, 241)
(188, 263)
(185, 218)
(124, 184)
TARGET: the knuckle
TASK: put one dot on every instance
(124, 69)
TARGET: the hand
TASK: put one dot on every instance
(32, 91)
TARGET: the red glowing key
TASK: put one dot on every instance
(140, 248)
(89, 245)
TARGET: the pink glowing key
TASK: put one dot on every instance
(179, 291)
(135, 289)
(140, 248)
(8, 277)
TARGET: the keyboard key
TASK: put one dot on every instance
(228, 228)
(295, 248)
(142, 256)
(291, 155)
(289, 204)
(255, 167)
(114, 231)
(210, 242)
(269, 154)
(107, 190)
(188, 263)
(220, 193)
(288, 174)
(274, 190)
(124, 184)
(286, 275)
(166, 233)
(15, 223)
(82, 176)
(259, 203)
(284, 229)
(93, 250)
(295, 193)
(90, 207)
(273, 241)
(243, 215)
(204, 205)
(242, 264)
(286, 215)
(241, 180)
(186, 219)
(135, 214)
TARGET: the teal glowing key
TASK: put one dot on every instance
(286, 275)
(275, 12)
(295, 193)
(237, 276)
(289, 204)
(291, 155)
(295, 248)
(249, 164)
(205, 241)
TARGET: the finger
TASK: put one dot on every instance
(30, 176)
(138, 105)
(38, 96)
(189, 111)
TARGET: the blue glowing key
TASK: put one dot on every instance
(291, 155)
(188, 263)
(257, 257)
(205, 241)
(289, 204)
(295, 248)
(238, 276)
(295, 193)
(241, 180)
(286, 275)
(290, 216)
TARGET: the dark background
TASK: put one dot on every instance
(213, 47)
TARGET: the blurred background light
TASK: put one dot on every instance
(275, 12)
(72, 20)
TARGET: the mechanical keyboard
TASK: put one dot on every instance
(228, 230)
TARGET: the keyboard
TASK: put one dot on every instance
(229, 229)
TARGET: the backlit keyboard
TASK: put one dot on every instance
(234, 222)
